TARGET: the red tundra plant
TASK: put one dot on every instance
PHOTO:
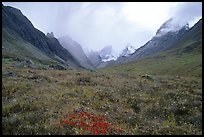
(94, 124)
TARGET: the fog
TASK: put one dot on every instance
(95, 25)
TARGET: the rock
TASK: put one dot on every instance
(78, 73)
(114, 107)
(197, 121)
(79, 110)
(152, 78)
(58, 67)
(10, 74)
(50, 35)
(25, 63)
(149, 77)
(28, 62)
(130, 118)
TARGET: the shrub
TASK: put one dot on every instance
(91, 124)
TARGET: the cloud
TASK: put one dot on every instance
(188, 12)
(95, 25)
(100, 24)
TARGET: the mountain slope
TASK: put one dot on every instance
(107, 54)
(77, 52)
(15, 48)
(95, 58)
(160, 94)
(184, 58)
(20, 27)
(167, 37)
(162, 41)
(129, 49)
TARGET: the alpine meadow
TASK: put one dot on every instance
(51, 86)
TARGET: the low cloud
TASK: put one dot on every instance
(188, 12)
(95, 25)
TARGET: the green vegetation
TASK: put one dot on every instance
(35, 100)
(158, 95)
(187, 64)
(14, 48)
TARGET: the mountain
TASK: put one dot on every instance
(50, 35)
(129, 49)
(166, 38)
(182, 57)
(157, 94)
(126, 52)
(20, 28)
(170, 26)
(101, 58)
(95, 58)
(76, 51)
(106, 54)
(18, 49)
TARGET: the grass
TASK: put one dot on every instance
(163, 64)
(14, 48)
(34, 101)
(158, 95)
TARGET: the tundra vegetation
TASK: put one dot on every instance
(139, 98)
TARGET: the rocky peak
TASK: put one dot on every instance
(171, 26)
(129, 49)
(107, 54)
(50, 35)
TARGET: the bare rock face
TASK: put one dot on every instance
(19, 26)
(58, 67)
(166, 38)
(76, 51)
(24, 63)
(50, 35)
(170, 26)
(95, 58)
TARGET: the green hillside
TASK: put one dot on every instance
(156, 95)
(185, 59)
(13, 48)
(184, 64)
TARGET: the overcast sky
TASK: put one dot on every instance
(95, 25)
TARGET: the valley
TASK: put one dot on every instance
(140, 100)
(153, 90)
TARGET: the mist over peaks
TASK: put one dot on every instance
(171, 25)
(107, 54)
(129, 49)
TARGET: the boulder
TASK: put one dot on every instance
(58, 67)
(25, 63)
(9, 74)
(149, 77)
